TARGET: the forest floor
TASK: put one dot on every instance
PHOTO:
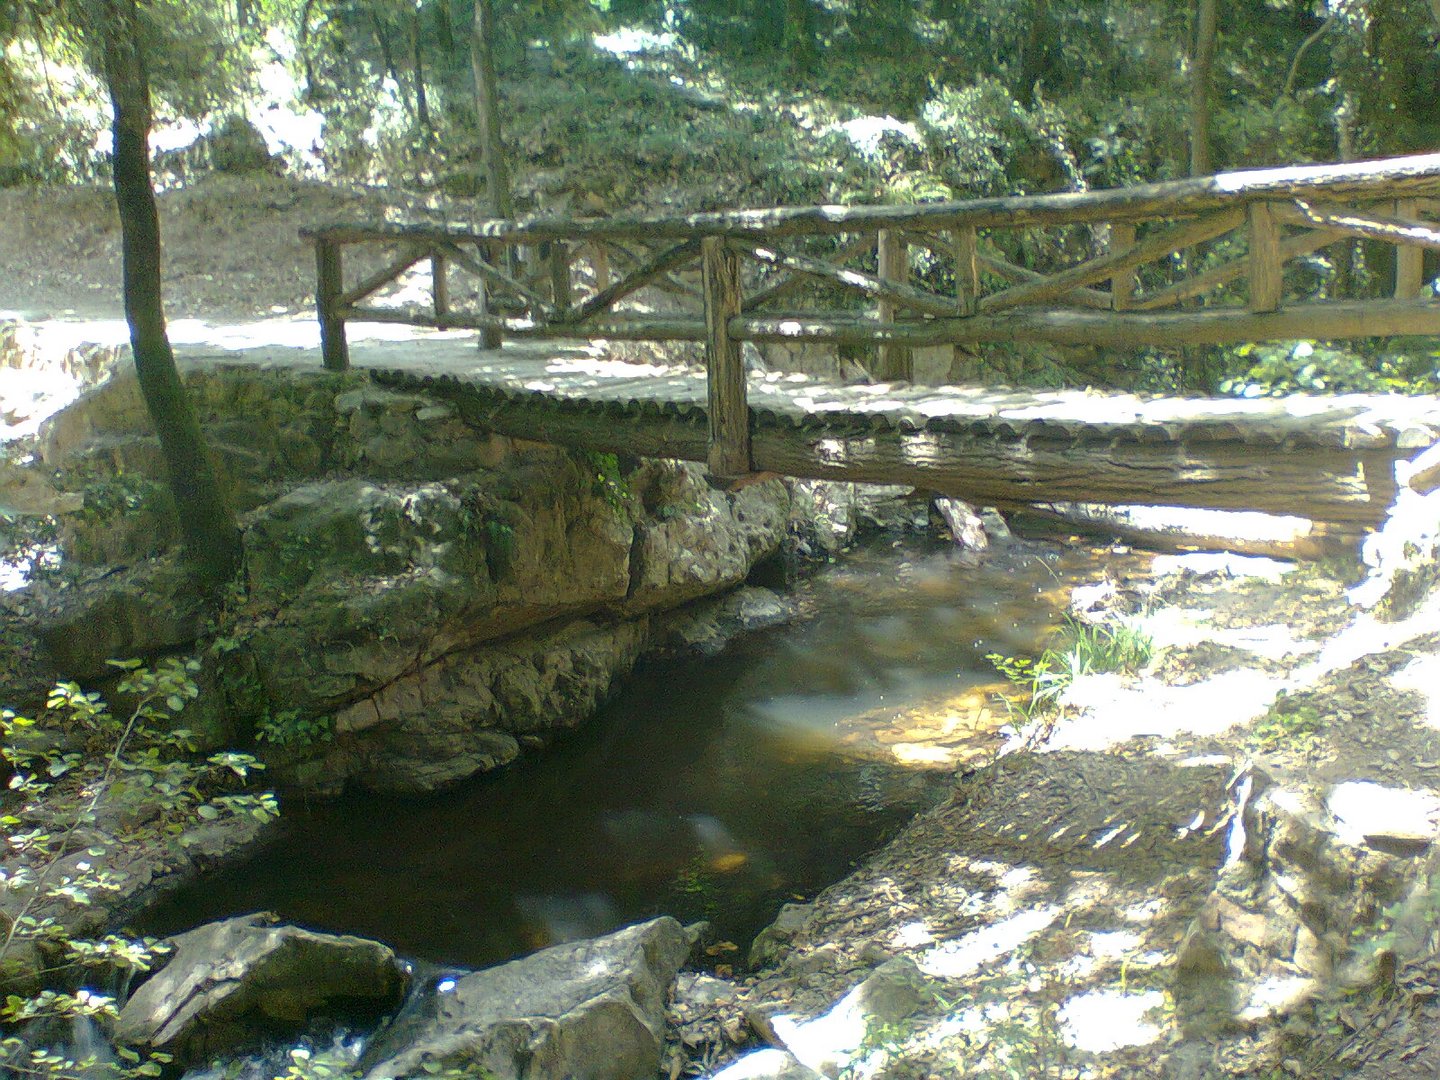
(1068, 910)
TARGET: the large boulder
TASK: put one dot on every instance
(246, 978)
(587, 1010)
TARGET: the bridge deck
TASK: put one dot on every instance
(1331, 459)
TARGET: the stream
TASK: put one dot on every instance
(716, 788)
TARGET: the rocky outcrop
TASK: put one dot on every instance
(421, 600)
(587, 1010)
(246, 978)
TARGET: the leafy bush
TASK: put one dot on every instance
(84, 783)
(1308, 367)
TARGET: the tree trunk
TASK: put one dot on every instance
(1201, 63)
(487, 110)
(422, 103)
(211, 539)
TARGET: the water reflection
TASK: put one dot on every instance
(715, 789)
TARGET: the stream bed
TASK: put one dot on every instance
(716, 788)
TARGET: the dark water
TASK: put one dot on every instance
(715, 789)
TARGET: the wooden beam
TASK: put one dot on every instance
(1266, 265)
(1409, 259)
(1091, 298)
(561, 295)
(439, 284)
(482, 269)
(728, 450)
(895, 362)
(1392, 230)
(378, 280)
(1393, 178)
(1293, 247)
(966, 248)
(491, 336)
(655, 267)
(1122, 285)
(329, 288)
(867, 285)
(1213, 326)
(793, 281)
(1329, 485)
(1106, 266)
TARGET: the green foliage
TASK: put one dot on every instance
(1306, 367)
(1081, 649)
(121, 493)
(607, 480)
(1287, 725)
(86, 781)
(288, 728)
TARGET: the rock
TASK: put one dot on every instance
(154, 607)
(586, 1010)
(767, 1065)
(773, 943)
(234, 981)
(965, 524)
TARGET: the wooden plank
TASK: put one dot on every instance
(793, 281)
(439, 284)
(1122, 285)
(1392, 230)
(1336, 486)
(728, 452)
(1402, 177)
(1293, 247)
(655, 267)
(491, 336)
(868, 285)
(329, 288)
(1106, 266)
(895, 362)
(1409, 259)
(966, 247)
(1265, 264)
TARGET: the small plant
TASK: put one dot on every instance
(86, 782)
(289, 728)
(1287, 725)
(606, 479)
(1082, 649)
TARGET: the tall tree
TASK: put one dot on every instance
(1202, 62)
(212, 540)
(487, 110)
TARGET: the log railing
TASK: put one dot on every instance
(1200, 261)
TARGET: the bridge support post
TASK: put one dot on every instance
(490, 337)
(558, 257)
(1122, 285)
(729, 452)
(329, 287)
(1409, 259)
(1267, 264)
(896, 361)
(439, 284)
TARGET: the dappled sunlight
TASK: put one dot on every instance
(979, 948)
(1103, 711)
(1364, 810)
(1422, 676)
(1100, 1021)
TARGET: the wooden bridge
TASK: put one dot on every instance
(1223, 259)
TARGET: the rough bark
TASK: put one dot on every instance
(211, 538)
(1201, 64)
(487, 111)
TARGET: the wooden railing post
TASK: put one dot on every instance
(967, 271)
(329, 287)
(439, 284)
(1267, 267)
(559, 259)
(729, 454)
(893, 253)
(1122, 285)
(490, 336)
(1409, 259)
